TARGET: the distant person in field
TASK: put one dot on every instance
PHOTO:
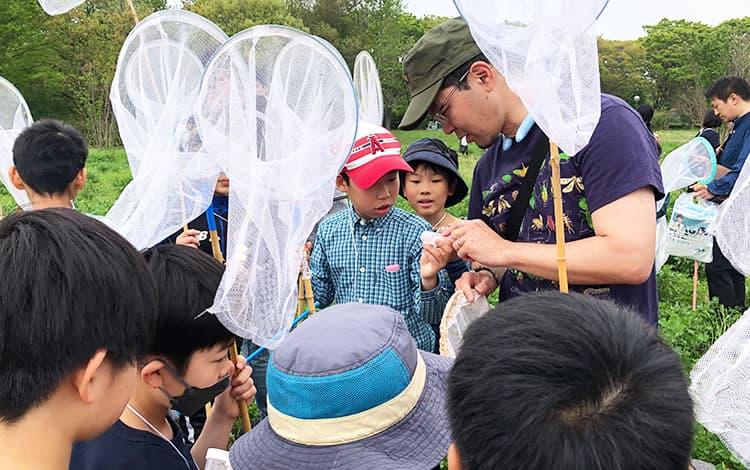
(710, 129)
(730, 99)
(647, 114)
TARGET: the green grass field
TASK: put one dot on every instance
(689, 332)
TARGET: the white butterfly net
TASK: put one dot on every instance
(278, 110)
(693, 162)
(720, 387)
(14, 118)
(733, 225)
(368, 88)
(153, 95)
(547, 52)
(58, 7)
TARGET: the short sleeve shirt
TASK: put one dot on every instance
(620, 159)
(124, 448)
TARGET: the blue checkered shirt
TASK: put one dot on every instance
(342, 273)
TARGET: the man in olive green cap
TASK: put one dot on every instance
(609, 187)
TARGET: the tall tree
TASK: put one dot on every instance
(623, 71)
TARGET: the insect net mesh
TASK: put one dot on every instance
(720, 387)
(733, 225)
(547, 52)
(278, 109)
(14, 118)
(58, 7)
(692, 162)
(369, 91)
(153, 96)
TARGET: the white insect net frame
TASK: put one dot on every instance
(58, 7)
(153, 95)
(15, 116)
(720, 387)
(368, 88)
(278, 111)
(547, 52)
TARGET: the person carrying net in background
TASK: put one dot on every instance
(730, 98)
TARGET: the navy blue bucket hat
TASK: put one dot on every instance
(349, 390)
(435, 152)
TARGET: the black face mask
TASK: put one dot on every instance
(194, 398)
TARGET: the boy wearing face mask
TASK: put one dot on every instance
(187, 365)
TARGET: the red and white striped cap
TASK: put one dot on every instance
(375, 153)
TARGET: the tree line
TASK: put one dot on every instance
(64, 65)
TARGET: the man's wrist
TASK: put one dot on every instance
(485, 269)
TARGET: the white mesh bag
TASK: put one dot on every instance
(153, 96)
(457, 317)
(368, 88)
(547, 52)
(693, 162)
(14, 118)
(58, 7)
(278, 110)
(720, 387)
(732, 229)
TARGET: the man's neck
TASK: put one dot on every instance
(21, 447)
(744, 109)
(39, 202)
(150, 410)
(515, 113)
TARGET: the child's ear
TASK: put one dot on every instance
(454, 458)
(150, 374)
(452, 188)
(341, 184)
(80, 180)
(84, 379)
(15, 178)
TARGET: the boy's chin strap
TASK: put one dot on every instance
(523, 130)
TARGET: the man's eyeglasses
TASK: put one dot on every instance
(440, 114)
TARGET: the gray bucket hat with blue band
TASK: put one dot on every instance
(348, 389)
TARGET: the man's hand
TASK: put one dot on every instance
(472, 283)
(476, 242)
(701, 191)
(189, 237)
(242, 388)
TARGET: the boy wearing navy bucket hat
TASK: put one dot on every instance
(434, 185)
(348, 389)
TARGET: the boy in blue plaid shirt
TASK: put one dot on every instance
(371, 252)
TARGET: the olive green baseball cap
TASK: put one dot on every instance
(439, 52)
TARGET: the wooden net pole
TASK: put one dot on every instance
(562, 268)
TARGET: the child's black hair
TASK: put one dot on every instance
(71, 287)
(186, 280)
(711, 120)
(48, 155)
(568, 381)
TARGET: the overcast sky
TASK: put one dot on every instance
(623, 18)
